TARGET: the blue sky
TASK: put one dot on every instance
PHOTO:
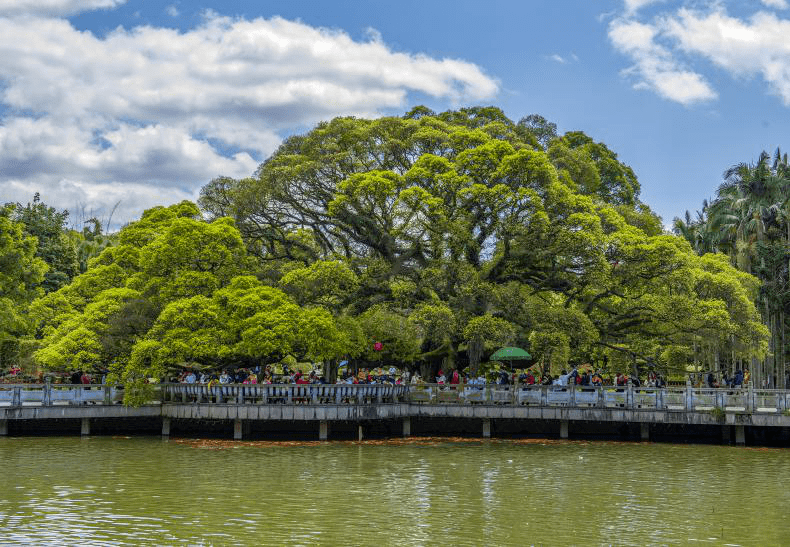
(142, 103)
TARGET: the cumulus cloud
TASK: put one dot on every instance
(655, 67)
(755, 46)
(161, 112)
(632, 6)
(671, 50)
(778, 4)
(54, 7)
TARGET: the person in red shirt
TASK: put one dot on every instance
(530, 379)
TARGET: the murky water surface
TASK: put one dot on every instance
(417, 492)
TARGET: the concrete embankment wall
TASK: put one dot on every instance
(347, 422)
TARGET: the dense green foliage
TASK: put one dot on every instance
(477, 231)
(749, 221)
(441, 236)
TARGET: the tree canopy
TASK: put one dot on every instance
(438, 236)
(458, 220)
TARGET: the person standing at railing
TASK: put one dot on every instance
(455, 379)
(251, 379)
(566, 378)
(737, 380)
(529, 378)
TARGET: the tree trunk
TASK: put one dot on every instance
(783, 364)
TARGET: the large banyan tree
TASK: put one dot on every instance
(447, 234)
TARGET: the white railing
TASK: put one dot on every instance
(687, 399)
(284, 393)
(668, 398)
(58, 394)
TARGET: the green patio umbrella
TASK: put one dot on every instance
(510, 355)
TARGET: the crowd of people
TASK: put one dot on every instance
(737, 380)
(528, 377)
(583, 376)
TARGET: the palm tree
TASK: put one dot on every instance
(748, 218)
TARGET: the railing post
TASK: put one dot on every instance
(689, 397)
(17, 399)
(544, 395)
(599, 395)
(750, 399)
(47, 400)
(629, 395)
(573, 393)
(107, 396)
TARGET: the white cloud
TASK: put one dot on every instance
(632, 6)
(558, 58)
(161, 112)
(755, 46)
(54, 7)
(778, 4)
(671, 49)
(654, 65)
(172, 10)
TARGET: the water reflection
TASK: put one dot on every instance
(421, 492)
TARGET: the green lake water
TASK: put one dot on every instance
(101, 490)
